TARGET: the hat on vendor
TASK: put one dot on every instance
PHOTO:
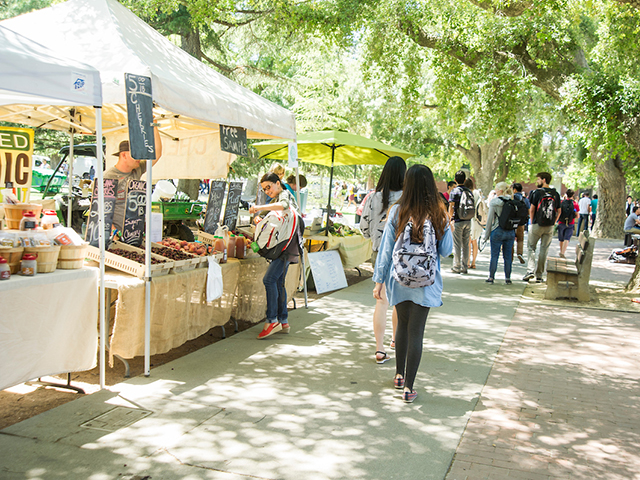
(123, 147)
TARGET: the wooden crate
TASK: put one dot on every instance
(128, 266)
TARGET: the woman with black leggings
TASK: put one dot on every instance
(422, 205)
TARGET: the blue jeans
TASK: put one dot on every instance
(502, 239)
(276, 293)
(583, 222)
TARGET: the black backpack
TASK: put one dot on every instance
(466, 206)
(512, 213)
(546, 209)
(568, 211)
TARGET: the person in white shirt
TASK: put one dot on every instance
(585, 210)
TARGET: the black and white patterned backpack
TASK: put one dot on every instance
(415, 264)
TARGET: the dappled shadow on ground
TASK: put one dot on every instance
(561, 401)
(311, 404)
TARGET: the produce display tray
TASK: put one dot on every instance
(201, 260)
(129, 266)
(181, 265)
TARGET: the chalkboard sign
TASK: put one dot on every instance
(140, 117)
(214, 206)
(233, 140)
(328, 273)
(92, 234)
(233, 200)
(134, 213)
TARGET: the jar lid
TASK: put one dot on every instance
(28, 256)
(49, 212)
(28, 213)
(3, 260)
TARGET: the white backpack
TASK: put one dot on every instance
(276, 231)
(415, 264)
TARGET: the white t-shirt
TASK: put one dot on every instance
(584, 204)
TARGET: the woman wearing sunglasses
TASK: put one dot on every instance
(277, 313)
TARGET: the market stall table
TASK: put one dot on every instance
(179, 310)
(48, 324)
(354, 250)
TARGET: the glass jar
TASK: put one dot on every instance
(49, 219)
(29, 221)
(5, 270)
(28, 265)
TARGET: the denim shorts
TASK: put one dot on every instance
(565, 232)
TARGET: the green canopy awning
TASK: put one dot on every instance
(331, 148)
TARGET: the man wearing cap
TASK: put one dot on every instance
(127, 168)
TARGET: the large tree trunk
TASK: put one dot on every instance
(190, 43)
(611, 197)
(485, 160)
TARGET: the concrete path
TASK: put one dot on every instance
(559, 401)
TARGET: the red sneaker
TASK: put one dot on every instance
(270, 329)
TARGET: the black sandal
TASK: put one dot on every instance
(384, 358)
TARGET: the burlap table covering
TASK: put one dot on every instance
(251, 299)
(179, 310)
(354, 250)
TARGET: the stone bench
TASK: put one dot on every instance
(567, 279)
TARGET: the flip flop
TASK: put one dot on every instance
(384, 358)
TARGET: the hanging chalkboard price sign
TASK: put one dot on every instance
(214, 206)
(233, 140)
(134, 213)
(140, 117)
(233, 201)
(92, 234)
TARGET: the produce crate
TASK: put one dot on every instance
(202, 261)
(204, 237)
(181, 265)
(178, 210)
(129, 266)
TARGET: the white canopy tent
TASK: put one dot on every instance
(192, 100)
(32, 75)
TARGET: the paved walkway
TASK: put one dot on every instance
(509, 387)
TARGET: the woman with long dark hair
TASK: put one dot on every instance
(374, 218)
(273, 280)
(421, 209)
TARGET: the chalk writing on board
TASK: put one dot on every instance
(233, 140)
(135, 213)
(233, 201)
(92, 234)
(328, 273)
(214, 205)
(140, 117)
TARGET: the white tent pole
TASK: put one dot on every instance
(70, 178)
(101, 240)
(304, 278)
(147, 271)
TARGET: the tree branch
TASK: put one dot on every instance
(634, 3)
(514, 9)
(456, 50)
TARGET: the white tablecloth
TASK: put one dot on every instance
(48, 324)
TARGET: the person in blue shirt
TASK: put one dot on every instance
(420, 202)
(594, 209)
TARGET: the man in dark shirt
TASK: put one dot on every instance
(461, 228)
(539, 233)
(128, 168)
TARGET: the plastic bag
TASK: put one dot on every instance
(214, 280)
